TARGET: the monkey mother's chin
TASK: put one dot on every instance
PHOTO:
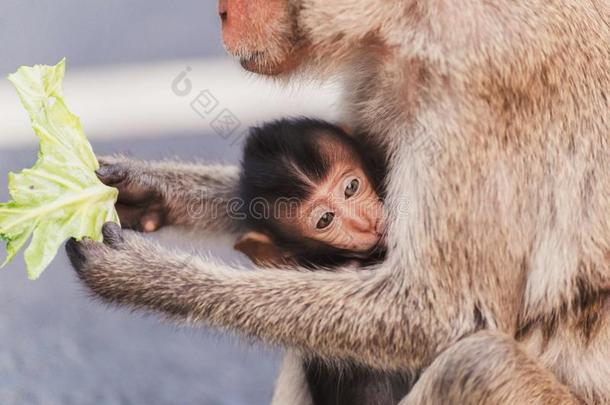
(258, 63)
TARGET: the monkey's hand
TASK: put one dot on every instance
(156, 194)
(141, 204)
(110, 268)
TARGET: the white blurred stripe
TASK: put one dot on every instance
(137, 100)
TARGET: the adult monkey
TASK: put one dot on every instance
(497, 281)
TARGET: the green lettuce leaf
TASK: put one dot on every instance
(60, 197)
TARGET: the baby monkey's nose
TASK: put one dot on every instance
(361, 223)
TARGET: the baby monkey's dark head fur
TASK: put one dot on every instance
(282, 163)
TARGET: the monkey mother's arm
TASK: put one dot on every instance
(361, 316)
(157, 194)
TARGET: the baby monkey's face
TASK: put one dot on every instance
(344, 211)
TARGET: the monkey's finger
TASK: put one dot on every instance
(79, 252)
(134, 194)
(130, 216)
(130, 192)
(76, 256)
(108, 160)
(124, 179)
(113, 235)
(111, 174)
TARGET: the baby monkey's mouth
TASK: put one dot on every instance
(380, 228)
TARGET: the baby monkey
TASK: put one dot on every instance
(310, 197)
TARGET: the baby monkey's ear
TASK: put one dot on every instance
(262, 250)
(346, 128)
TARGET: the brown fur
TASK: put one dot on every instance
(507, 226)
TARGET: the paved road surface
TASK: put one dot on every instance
(57, 347)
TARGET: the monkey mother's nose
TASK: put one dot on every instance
(223, 9)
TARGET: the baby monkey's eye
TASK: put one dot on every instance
(352, 188)
(325, 220)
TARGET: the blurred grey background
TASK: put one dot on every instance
(90, 32)
(57, 346)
